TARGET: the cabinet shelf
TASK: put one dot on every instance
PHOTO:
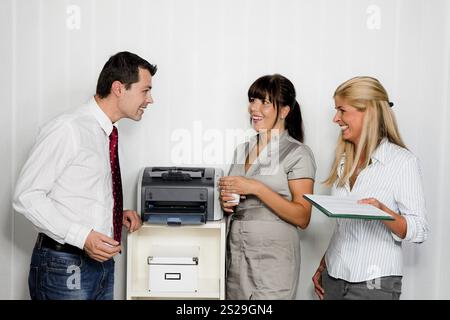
(208, 289)
(209, 238)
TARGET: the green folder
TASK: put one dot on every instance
(346, 207)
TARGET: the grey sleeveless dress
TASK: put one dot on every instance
(263, 251)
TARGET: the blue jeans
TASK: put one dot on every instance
(56, 275)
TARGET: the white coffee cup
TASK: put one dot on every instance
(237, 198)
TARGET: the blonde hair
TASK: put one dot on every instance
(368, 95)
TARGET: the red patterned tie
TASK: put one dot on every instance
(116, 184)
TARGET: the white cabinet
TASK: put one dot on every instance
(209, 238)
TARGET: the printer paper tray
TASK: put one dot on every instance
(177, 207)
(174, 219)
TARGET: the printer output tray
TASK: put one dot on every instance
(174, 219)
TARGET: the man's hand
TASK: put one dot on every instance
(131, 220)
(101, 247)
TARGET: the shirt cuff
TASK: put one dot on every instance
(410, 230)
(77, 235)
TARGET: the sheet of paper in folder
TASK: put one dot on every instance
(346, 207)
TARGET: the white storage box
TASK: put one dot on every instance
(173, 274)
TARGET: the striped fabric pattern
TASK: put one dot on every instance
(362, 250)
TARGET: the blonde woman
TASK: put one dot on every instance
(364, 258)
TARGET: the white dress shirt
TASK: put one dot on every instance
(362, 250)
(65, 187)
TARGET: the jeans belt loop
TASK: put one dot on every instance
(40, 239)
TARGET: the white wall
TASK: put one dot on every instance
(208, 53)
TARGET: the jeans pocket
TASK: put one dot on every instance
(62, 276)
(62, 261)
(392, 285)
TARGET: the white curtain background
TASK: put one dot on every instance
(208, 53)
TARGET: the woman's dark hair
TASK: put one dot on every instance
(281, 92)
(124, 67)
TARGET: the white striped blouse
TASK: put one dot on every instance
(362, 250)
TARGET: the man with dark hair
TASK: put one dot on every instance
(70, 187)
(122, 67)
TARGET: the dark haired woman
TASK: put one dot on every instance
(273, 171)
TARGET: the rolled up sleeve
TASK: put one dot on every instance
(410, 199)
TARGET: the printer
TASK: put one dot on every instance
(179, 195)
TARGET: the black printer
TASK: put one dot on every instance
(179, 195)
